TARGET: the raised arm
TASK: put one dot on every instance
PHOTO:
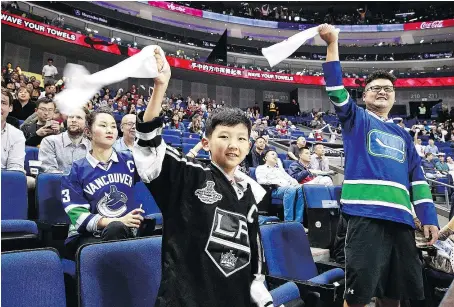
(160, 86)
(331, 36)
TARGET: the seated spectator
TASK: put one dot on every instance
(294, 149)
(100, 207)
(176, 123)
(257, 153)
(419, 147)
(429, 167)
(128, 127)
(58, 152)
(34, 132)
(301, 172)
(431, 147)
(13, 141)
(288, 189)
(196, 125)
(318, 160)
(441, 165)
(450, 163)
(23, 107)
(49, 90)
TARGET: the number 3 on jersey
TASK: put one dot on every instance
(65, 194)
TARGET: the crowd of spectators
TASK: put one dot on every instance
(360, 14)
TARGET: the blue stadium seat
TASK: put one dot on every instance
(108, 277)
(17, 231)
(31, 153)
(289, 258)
(191, 135)
(282, 156)
(173, 132)
(172, 140)
(286, 163)
(48, 197)
(192, 141)
(14, 195)
(144, 197)
(322, 212)
(32, 278)
(202, 154)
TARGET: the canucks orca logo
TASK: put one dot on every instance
(114, 199)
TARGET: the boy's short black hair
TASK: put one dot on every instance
(260, 137)
(269, 150)
(227, 117)
(49, 83)
(380, 74)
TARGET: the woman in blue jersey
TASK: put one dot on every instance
(98, 193)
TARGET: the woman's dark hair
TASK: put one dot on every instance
(91, 118)
(227, 117)
(380, 74)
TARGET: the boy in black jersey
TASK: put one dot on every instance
(211, 248)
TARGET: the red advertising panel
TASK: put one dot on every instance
(176, 8)
(89, 42)
(429, 25)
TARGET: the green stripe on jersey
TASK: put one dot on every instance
(75, 213)
(420, 191)
(374, 192)
(338, 96)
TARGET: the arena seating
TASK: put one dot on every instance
(17, 231)
(32, 278)
(322, 212)
(289, 258)
(31, 153)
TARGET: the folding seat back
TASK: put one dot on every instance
(119, 273)
(322, 209)
(48, 198)
(32, 278)
(192, 141)
(191, 135)
(31, 153)
(172, 140)
(287, 251)
(173, 132)
(14, 196)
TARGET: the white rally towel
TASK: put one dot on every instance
(81, 86)
(280, 51)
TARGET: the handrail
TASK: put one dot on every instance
(440, 183)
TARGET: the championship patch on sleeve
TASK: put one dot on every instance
(386, 145)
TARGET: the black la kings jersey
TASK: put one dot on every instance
(211, 245)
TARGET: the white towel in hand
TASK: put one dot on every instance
(280, 51)
(80, 86)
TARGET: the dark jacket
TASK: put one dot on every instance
(299, 172)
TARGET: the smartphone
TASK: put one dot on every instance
(147, 227)
(48, 123)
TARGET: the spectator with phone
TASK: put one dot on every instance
(45, 125)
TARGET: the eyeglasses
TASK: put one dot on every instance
(130, 125)
(46, 110)
(377, 89)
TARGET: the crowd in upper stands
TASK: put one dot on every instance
(329, 14)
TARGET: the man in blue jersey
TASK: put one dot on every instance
(384, 184)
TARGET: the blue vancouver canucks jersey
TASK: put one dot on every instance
(383, 174)
(90, 192)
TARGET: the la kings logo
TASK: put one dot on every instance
(228, 244)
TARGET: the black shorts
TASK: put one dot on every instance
(381, 260)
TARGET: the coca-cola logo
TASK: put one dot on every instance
(432, 24)
(178, 8)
